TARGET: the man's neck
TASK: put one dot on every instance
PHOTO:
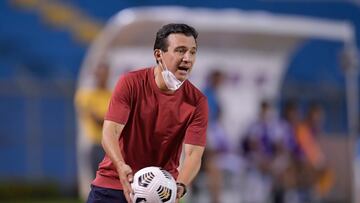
(159, 80)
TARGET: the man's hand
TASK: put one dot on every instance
(126, 177)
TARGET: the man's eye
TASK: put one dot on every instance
(181, 51)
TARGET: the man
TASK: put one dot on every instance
(152, 113)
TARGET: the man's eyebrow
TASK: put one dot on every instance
(181, 47)
(184, 47)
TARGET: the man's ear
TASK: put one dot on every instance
(157, 55)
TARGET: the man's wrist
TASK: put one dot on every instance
(184, 189)
(119, 164)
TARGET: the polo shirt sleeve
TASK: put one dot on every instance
(120, 102)
(196, 131)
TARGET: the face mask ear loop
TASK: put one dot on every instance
(162, 63)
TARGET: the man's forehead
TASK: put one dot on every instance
(178, 40)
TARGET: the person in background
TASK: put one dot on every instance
(308, 132)
(286, 183)
(91, 105)
(217, 138)
(264, 150)
(307, 178)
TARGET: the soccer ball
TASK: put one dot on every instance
(153, 185)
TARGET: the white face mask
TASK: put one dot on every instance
(171, 82)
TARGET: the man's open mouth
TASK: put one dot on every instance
(183, 68)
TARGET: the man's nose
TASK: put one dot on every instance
(187, 57)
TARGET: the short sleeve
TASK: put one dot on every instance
(196, 131)
(120, 102)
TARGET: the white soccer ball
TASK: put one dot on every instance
(153, 185)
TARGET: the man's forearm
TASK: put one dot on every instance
(191, 165)
(189, 170)
(111, 133)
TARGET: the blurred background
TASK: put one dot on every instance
(281, 78)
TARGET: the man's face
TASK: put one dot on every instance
(180, 56)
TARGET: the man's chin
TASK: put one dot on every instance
(182, 78)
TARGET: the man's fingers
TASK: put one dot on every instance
(127, 192)
(127, 189)
(127, 196)
(130, 178)
(126, 177)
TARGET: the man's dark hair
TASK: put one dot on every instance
(172, 28)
